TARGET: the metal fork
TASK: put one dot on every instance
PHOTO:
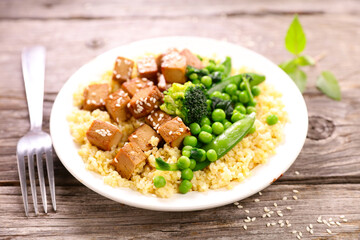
(35, 143)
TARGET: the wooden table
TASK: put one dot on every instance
(326, 173)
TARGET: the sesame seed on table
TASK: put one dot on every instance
(317, 198)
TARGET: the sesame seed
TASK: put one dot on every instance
(260, 193)
(311, 226)
(253, 219)
(284, 198)
(294, 231)
(295, 191)
(245, 227)
(239, 206)
(257, 200)
(300, 233)
(332, 222)
(288, 208)
(267, 224)
(275, 204)
(247, 211)
(287, 222)
(266, 209)
(342, 216)
(311, 231)
(345, 220)
(328, 231)
(297, 173)
(289, 225)
(298, 237)
(338, 223)
(295, 197)
(273, 223)
(236, 203)
(308, 229)
(264, 215)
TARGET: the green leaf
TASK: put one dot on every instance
(164, 166)
(328, 84)
(289, 66)
(299, 77)
(305, 61)
(295, 40)
(227, 65)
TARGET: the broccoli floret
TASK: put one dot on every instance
(187, 101)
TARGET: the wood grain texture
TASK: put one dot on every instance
(76, 31)
(85, 214)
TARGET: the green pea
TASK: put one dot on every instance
(187, 174)
(205, 137)
(242, 85)
(252, 129)
(252, 103)
(198, 154)
(218, 115)
(216, 94)
(195, 128)
(210, 67)
(196, 81)
(243, 97)
(207, 81)
(206, 128)
(183, 162)
(159, 181)
(192, 164)
(187, 148)
(186, 153)
(220, 68)
(193, 76)
(225, 96)
(237, 116)
(226, 124)
(185, 186)
(240, 108)
(211, 155)
(234, 98)
(190, 141)
(208, 103)
(272, 119)
(237, 92)
(250, 109)
(231, 89)
(255, 90)
(217, 128)
(205, 120)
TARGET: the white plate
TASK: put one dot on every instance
(262, 176)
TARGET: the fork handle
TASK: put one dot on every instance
(33, 66)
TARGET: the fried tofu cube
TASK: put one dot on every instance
(144, 101)
(116, 105)
(159, 58)
(123, 68)
(173, 67)
(157, 118)
(143, 136)
(162, 85)
(129, 159)
(135, 84)
(103, 135)
(94, 96)
(174, 131)
(147, 68)
(191, 59)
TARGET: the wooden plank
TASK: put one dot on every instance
(330, 154)
(90, 9)
(85, 214)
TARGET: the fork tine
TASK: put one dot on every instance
(31, 155)
(50, 172)
(22, 177)
(39, 163)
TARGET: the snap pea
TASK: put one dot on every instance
(246, 80)
(255, 80)
(228, 139)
